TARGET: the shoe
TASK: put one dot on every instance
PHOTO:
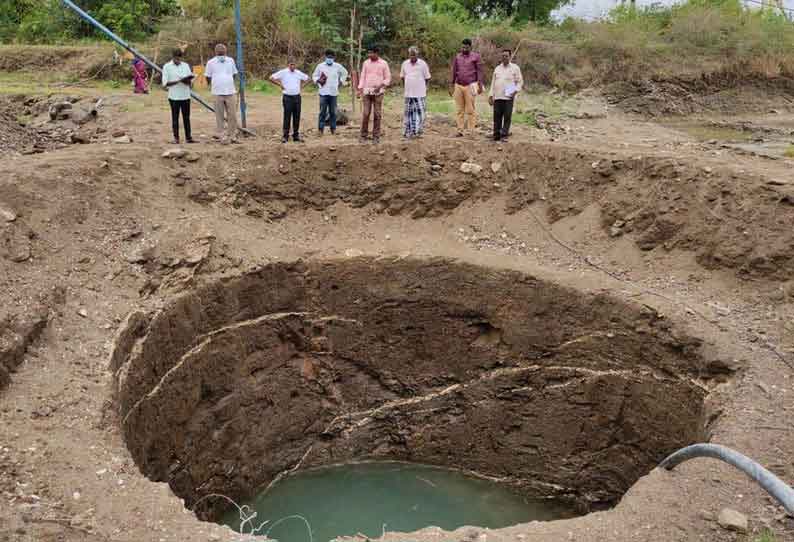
(333, 132)
(191, 140)
(297, 139)
(376, 140)
(284, 139)
(174, 142)
(322, 132)
(459, 134)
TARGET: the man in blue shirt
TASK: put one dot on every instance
(291, 82)
(329, 75)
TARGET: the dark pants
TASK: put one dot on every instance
(328, 112)
(373, 105)
(292, 112)
(182, 106)
(502, 115)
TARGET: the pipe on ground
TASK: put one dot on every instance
(773, 485)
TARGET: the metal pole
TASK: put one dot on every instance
(74, 7)
(240, 64)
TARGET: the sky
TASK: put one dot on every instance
(592, 9)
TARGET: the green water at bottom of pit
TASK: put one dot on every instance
(370, 497)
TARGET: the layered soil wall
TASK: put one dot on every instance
(558, 392)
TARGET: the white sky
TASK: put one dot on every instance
(592, 9)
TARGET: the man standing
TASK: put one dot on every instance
(415, 74)
(375, 77)
(291, 82)
(505, 86)
(177, 78)
(220, 74)
(329, 76)
(466, 83)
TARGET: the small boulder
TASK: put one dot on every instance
(471, 168)
(7, 214)
(122, 140)
(732, 520)
(496, 167)
(174, 154)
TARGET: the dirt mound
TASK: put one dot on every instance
(39, 124)
(730, 221)
(714, 93)
(98, 60)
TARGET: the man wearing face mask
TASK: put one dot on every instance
(220, 74)
(329, 75)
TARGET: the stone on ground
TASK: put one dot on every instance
(732, 520)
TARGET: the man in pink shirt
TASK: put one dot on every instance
(375, 77)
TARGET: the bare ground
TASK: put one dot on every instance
(613, 205)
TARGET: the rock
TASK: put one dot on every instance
(471, 168)
(192, 157)
(122, 140)
(197, 251)
(174, 154)
(7, 214)
(80, 139)
(142, 254)
(436, 167)
(15, 245)
(118, 133)
(496, 167)
(732, 520)
(83, 313)
(720, 309)
(353, 253)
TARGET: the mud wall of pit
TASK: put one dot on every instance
(558, 392)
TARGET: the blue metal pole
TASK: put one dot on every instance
(240, 64)
(74, 7)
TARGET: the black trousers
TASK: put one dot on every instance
(292, 112)
(182, 106)
(502, 116)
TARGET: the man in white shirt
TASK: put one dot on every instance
(220, 74)
(505, 86)
(329, 75)
(291, 81)
(177, 78)
(415, 74)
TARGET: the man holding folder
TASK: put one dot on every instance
(177, 78)
(505, 85)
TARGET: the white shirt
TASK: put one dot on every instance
(415, 76)
(222, 75)
(506, 78)
(291, 81)
(171, 73)
(335, 74)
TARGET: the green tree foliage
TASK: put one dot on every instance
(45, 21)
(520, 10)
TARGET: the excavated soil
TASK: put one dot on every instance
(728, 219)
(720, 92)
(556, 317)
(293, 366)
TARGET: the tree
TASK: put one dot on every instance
(521, 10)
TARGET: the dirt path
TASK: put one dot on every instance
(89, 215)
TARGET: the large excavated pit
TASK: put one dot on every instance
(557, 392)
